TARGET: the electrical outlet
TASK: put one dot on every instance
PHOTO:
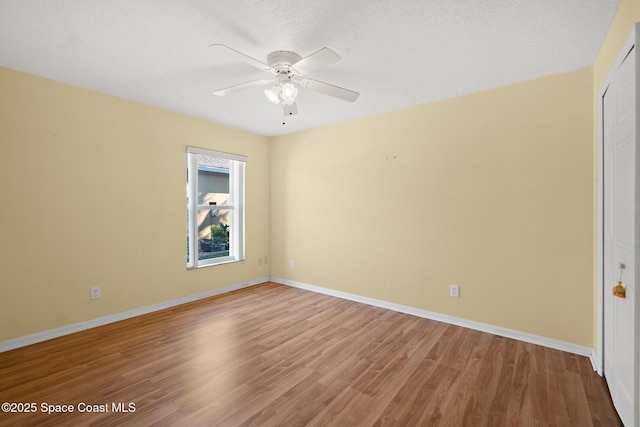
(292, 263)
(454, 291)
(95, 293)
(266, 259)
(259, 260)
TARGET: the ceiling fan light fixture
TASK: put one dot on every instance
(273, 94)
(288, 93)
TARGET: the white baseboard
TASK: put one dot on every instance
(77, 327)
(593, 358)
(458, 321)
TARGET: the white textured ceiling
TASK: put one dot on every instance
(395, 53)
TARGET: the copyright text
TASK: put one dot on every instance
(48, 408)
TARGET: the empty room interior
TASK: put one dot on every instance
(412, 236)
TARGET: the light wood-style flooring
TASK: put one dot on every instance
(272, 355)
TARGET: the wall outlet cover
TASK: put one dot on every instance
(454, 291)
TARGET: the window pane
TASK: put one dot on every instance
(213, 180)
(214, 227)
(213, 190)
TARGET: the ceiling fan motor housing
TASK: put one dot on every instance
(280, 61)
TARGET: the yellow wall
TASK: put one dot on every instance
(93, 194)
(491, 191)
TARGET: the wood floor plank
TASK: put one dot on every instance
(538, 378)
(516, 406)
(274, 355)
(561, 406)
(464, 388)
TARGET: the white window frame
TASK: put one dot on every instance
(235, 207)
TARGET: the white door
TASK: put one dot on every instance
(620, 242)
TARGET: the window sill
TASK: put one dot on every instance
(219, 261)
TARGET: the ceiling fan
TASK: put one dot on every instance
(287, 67)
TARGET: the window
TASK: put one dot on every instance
(215, 207)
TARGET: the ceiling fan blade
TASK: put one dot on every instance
(239, 55)
(319, 59)
(232, 89)
(331, 90)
